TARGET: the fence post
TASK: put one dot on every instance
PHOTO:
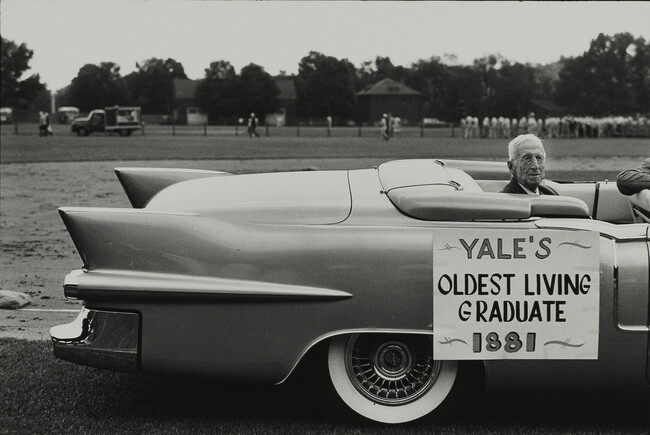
(15, 127)
(453, 130)
(236, 129)
(142, 125)
(421, 128)
(266, 130)
(359, 130)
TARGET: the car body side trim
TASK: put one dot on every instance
(161, 286)
(321, 338)
(620, 326)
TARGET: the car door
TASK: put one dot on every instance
(97, 122)
(623, 349)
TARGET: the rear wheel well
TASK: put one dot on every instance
(473, 372)
(451, 382)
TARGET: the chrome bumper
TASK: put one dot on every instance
(102, 339)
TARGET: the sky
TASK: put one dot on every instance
(67, 34)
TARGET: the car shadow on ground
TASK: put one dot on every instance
(42, 394)
(312, 403)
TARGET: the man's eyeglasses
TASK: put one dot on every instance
(530, 158)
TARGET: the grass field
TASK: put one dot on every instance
(575, 159)
(39, 394)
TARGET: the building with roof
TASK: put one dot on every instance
(187, 109)
(389, 96)
(286, 114)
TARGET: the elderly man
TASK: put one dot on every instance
(526, 157)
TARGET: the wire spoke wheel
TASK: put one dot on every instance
(389, 378)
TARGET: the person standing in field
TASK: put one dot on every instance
(385, 126)
(463, 128)
(48, 125)
(506, 128)
(252, 126)
(531, 124)
(42, 124)
(486, 127)
(494, 125)
(395, 125)
(523, 125)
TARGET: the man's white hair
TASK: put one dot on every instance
(520, 140)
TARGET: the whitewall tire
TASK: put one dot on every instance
(389, 378)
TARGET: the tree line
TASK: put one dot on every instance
(612, 77)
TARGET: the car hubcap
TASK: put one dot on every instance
(390, 371)
(392, 360)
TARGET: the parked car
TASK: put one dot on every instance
(67, 114)
(434, 123)
(405, 272)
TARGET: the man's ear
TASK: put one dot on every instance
(510, 167)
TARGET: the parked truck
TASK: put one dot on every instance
(67, 114)
(116, 119)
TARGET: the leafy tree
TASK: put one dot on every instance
(15, 61)
(610, 78)
(221, 70)
(462, 96)
(256, 92)
(639, 78)
(217, 92)
(449, 91)
(63, 97)
(546, 77)
(224, 94)
(152, 85)
(487, 70)
(99, 86)
(572, 91)
(514, 90)
(42, 101)
(325, 86)
(430, 77)
(381, 68)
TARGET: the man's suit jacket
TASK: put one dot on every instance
(634, 180)
(515, 187)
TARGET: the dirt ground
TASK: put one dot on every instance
(36, 252)
(35, 249)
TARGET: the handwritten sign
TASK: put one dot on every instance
(511, 294)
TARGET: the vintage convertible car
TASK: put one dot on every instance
(403, 271)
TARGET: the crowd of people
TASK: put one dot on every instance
(555, 127)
